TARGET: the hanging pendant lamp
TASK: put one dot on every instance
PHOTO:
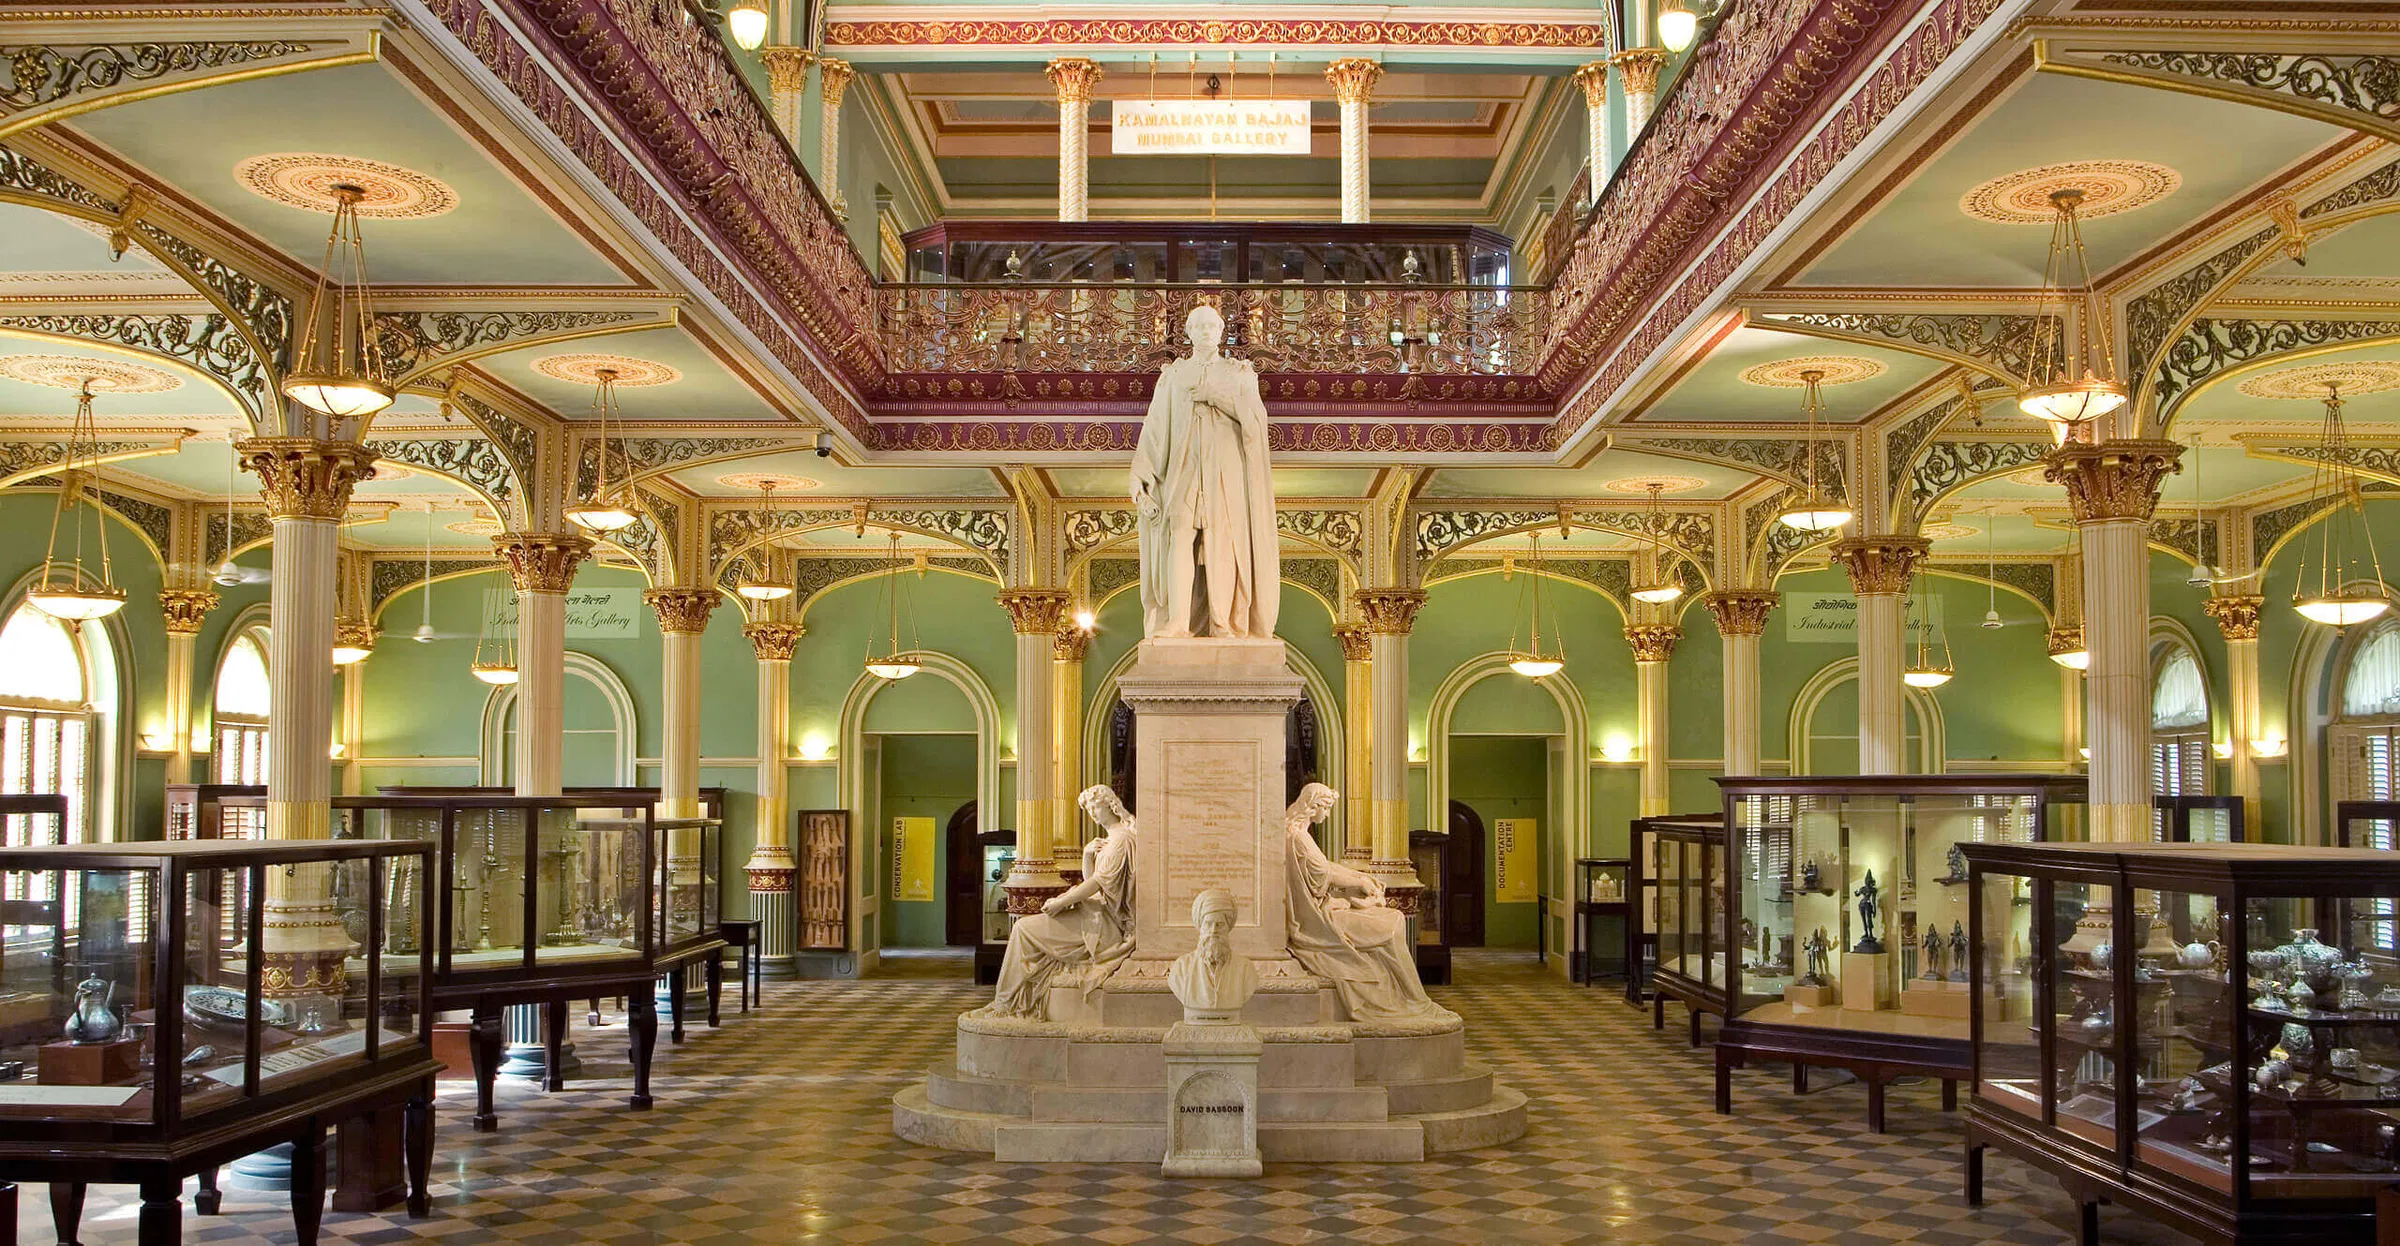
(2328, 595)
(1533, 661)
(67, 591)
(1814, 512)
(894, 662)
(424, 634)
(2071, 379)
(338, 368)
(761, 588)
(1924, 670)
(607, 509)
(495, 640)
(1665, 588)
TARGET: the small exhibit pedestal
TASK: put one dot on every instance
(91, 1064)
(1212, 1101)
(1811, 996)
(1866, 981)
(1951, 1001)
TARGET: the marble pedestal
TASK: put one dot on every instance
(1212, 1101)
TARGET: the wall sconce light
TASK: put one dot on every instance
(1617, 748)
(200, 741)
(2273, 746)
(2224, 751)
(154, 742)
(336, 750)
(2084, 753)
(815, 747)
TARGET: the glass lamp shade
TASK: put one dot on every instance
(1925, 677)
(1991, 618)
(347, 655)
(1535, 666)
(494, 673)
(2073, 659)
(600, 516)
(424, 635)
(761, 590)
(226, 575)
(342, 397)
(2070, 403)
(1815, 516)
(1677, 25)
(747, 22)
(897, 666)
(1657, 594)
(2340, 609)
(75, 603)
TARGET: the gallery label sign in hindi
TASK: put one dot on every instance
(1208, 128)
(592, 613)
(1832, 618)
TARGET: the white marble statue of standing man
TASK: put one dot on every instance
(1203, 503)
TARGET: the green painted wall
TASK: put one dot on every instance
(1502, 777)
(924, 776)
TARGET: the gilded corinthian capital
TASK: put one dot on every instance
(1033, 611)
(186, 608)
(306, 477)
(682, 610)
(1880, 564)
(1073, 77)
(774, 642)
(542, 562)
(1652, 642)
(1741, 612)
(1353, 79)
(2112, 479)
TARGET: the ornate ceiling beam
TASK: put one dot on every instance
(418, 343)
(1998, 345)
(30, 452)
(2344, 71)
(2214, 349)
(56, 64)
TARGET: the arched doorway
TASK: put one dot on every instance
(977, 860)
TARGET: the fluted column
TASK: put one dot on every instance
(833, 78)
(1880, 567)
(1653, 648)
(185, 611)
(771, 866)
(542, 567)
(1353, 80)
(1034, 613)
(1593, 78)
(1741, 620)
(2237, 618)
(682, 620)
(1358, 740)
(352, 718)
(787, 89)
(2112, 488)
(1640, 67)
(1073, 78)
(1068, 647)
(1390, 614)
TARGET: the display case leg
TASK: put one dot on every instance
(210, 1198)
(1724, 1085)
(1875, 1104)
(308, 1182)
(8, 1213)
(1694, 1014)
(675, 987)
(641, 1032)
(712, 974)
(593, 1019)
(483, 1047)
(417, 1125)
(161, 1222)
(2090, 1232)
(1974, 1174)
(1658, 1011)
(554, 1042)
(1949, 1095)
(1799, 1078)
(66, 1209)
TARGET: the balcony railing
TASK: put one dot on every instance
(1347, 330)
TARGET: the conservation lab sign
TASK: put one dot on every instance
(1208, 128)
(1832, 618)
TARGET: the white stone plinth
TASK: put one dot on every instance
(1212, 1101)
(1209, 740)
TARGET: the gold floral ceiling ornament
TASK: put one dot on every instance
(626, 371)
(1830, 370)
(2108, 186)
(309, 181)
(76, 372)
(780, 482)
(1662, 484)
(2307, 382)
(1948, 531)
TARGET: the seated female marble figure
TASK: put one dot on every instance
(1088, 924)
(1340, 928)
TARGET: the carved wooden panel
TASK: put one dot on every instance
(824, 855)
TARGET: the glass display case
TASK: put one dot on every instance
(164, 1004)
(2235, 1075)
(1604, 894)
(2197, 819)
(1848, 918)
(1685, 861)
(216, 811)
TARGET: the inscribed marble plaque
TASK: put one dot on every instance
(1212, 825)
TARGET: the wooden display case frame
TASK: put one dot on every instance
(1667, 979)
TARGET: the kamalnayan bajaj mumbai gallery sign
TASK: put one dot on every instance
(1209, 128)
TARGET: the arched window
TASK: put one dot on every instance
(56, 688)
(2364, 740)
(2180, 760)
(241, 709)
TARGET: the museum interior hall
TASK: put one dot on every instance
(1648, 621)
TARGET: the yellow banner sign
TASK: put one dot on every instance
(1208, 128)
(912, 858)
(1515, 865)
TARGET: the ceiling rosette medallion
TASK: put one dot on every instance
(1835, 370)
(2108, 186)
(108, 376)
(585, 369)
(305, 180)
(2307, 382)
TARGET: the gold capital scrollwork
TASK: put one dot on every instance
(1033, 611)
(306, 477)
(2112, 480)
(1640, 67)
(833, 78)
(1069, 643)
(1593, 78)
(1741, 612)
(1073, 77)
(186, 609)
(787, 68)
(352, 634)
(1357, 643)
(1652, 642)
(1389, 611)
(542, 562)
(774, 642)
(682, 610)
(2237, 617)
(1353, 79)
(1880, 564)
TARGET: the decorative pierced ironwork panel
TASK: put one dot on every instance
(40, 455)
(1775, 456)
(2210, 346)
(811, 576)
(1612, 576)
(2360, 84)
(249, 527)
(36, 74)
(2002, 343)
(1091, 529)
(151, 519)
(2374, 188)
(1901, 444)
(1952, 464)
(391, 577)
(2194, 538)
(1337, 530)
(1107, 575)
(474, 460)
(979, 529)
(26, 175)
(2381, 461)
(1322, 576)
(414, 340)
(209, 343)
(520, 442)
(2153, 315)
(631, 456)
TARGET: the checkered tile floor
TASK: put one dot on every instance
(777, 1128)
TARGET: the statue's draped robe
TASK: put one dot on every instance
(1363, 952)
(1097, 931)
(1211, 504)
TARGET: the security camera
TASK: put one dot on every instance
(824, 444)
